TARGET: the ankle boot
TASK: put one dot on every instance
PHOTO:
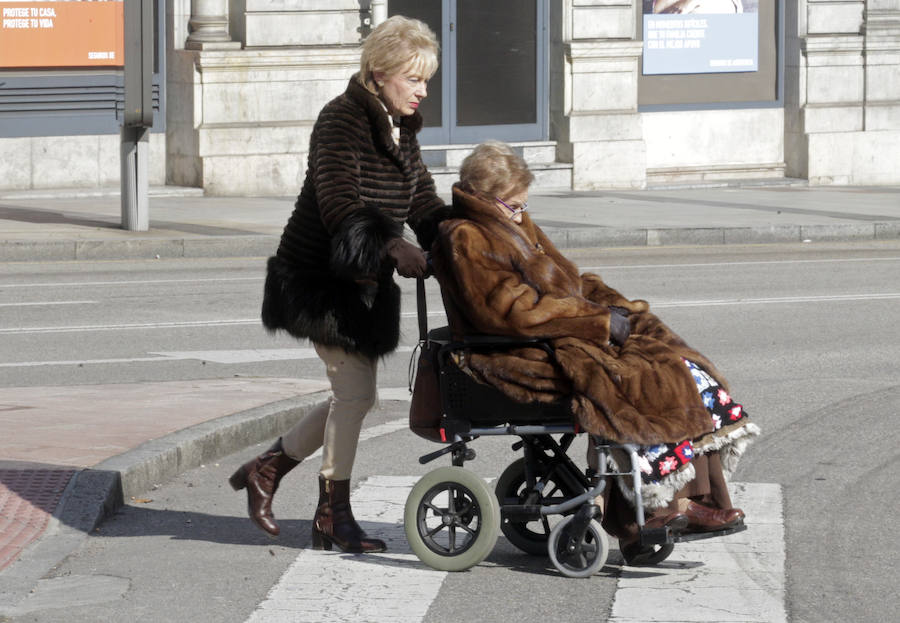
(334, 523)
(261, 477)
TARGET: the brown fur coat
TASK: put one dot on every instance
(499, 277)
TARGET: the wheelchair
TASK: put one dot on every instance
(452, 518)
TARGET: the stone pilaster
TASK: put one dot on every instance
(594, 118)
(882, 54)
(843, 91)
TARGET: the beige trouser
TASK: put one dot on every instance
(335, 425)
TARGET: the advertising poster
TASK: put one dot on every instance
(700, 36)
(63, 33)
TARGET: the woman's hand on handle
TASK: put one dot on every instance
(407, 257)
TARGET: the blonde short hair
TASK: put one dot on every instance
(396, 44)
(494, 169)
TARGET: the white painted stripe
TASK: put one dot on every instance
(396, 588)
(223, 357)
(779, 300)
(131, 326)
(76, 362)
(373, 431)
(737, 578)
(59, 284)
(394, 393)
(255, 321)
(250, 355)
(416, 314)
(46, 303)
(751, 263)
(78, 284)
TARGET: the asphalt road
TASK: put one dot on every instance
(807, 335)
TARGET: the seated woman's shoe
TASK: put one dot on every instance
(261, 477)
(334, 523)
(674, 521)
(705, 519)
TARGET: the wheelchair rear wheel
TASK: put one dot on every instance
(589, 555)
(451, 519)
(529, 536)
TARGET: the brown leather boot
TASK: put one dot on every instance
(334, 523)
(261, 477)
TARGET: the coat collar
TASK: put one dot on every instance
(468, 206)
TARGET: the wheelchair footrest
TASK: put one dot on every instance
(696, 536)
(521, 512)
(657, 536)
(661, 536)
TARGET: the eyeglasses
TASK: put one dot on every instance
(515, 211)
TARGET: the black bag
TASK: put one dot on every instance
(425, 405)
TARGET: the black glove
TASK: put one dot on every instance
(408, 258)
(619, 327)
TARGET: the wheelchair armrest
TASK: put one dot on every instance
(481, 341)
(497, 340)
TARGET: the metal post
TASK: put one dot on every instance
(134, 151)
(137, 115)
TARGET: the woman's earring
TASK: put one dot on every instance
(380, 84)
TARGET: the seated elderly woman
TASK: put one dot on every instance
(625, 375)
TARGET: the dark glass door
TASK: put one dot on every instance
(492, 81)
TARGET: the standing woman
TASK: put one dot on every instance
(331, 280)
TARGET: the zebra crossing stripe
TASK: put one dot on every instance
(331, 587)
(738, 578)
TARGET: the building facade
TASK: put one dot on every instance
(597, 94)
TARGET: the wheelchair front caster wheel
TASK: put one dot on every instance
(637, 555)
(451, 519)
(578, 558)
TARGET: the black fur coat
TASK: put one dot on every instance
(330, 280)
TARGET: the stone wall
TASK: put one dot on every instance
(246, 79)
(243, 105)
(842, 116)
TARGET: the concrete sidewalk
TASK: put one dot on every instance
(69, 456)
(146, 433)
(86, 225)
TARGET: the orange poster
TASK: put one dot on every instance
(61, 34)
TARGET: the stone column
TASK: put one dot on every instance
(209, 26)
(378, 9)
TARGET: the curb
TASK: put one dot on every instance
(100, 490)
(97, 492)
(562, 237)
(566, 238)
(137, 248)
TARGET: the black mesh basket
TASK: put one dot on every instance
(467, 400)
